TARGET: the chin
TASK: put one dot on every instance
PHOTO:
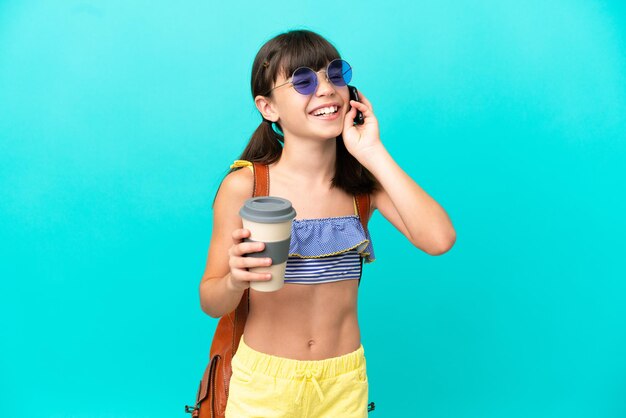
(332, 131)
(331, 135)
(328, 131)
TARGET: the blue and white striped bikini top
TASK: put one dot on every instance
(324, 250)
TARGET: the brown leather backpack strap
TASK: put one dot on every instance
(239, 321)
(261, 180)
(261, 188)
(363, 207)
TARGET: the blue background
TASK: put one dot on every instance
(119, 119)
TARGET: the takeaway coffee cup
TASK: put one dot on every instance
(269, 220)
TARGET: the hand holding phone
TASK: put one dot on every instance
(354, 95)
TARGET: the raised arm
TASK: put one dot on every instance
(401, 201)
(409, 208)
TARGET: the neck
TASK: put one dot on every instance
(310, 162)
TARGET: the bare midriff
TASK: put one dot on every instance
(305, 322)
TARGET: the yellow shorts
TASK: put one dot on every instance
(267, 386)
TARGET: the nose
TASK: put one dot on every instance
(324, 86)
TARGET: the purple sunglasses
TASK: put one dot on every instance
(304, 79)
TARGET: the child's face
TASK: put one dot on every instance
(297, 112)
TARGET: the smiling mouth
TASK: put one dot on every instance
(326, 111)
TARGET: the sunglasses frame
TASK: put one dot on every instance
(290, 81)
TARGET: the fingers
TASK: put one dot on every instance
(249, 262)
(243, 277)
(240, 249)
(365, 101)
(348, 120)
(364, 108)
(363, 104)
(240, 234)
(239, 263)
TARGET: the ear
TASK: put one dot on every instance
(266, 108)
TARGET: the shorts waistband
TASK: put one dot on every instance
(274, 366)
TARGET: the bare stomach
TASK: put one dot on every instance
(305, 322)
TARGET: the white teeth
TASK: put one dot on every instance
(326, 110)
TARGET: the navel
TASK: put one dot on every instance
(311, 343)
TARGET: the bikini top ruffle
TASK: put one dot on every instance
(323, 237)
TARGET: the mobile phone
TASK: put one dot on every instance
(354, 95)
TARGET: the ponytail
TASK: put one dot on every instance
(264, 145)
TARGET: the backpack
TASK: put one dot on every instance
(212, 393)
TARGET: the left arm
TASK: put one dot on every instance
(401, 200)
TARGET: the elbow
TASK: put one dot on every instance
(212, 315)
(207, 310)
(205, 305)
(443, 245)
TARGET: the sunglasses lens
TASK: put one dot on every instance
(339, 72)
(304, 81)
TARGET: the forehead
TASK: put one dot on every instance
(315, 60)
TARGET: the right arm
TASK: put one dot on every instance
(226, 276)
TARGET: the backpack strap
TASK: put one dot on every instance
(363, 208)
(260, 188)
(261, 180)
(261, 176)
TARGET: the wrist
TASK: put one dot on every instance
(374, 158)
(232, 287)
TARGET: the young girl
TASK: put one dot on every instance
(301, 353)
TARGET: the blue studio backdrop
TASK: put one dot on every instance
(119, 119)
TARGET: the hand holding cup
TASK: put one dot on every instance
(240, 277)
(269, 220)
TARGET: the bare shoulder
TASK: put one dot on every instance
(233, 192)
(238, 184)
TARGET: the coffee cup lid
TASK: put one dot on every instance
(267, 209)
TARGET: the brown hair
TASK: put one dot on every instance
(283, 54)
